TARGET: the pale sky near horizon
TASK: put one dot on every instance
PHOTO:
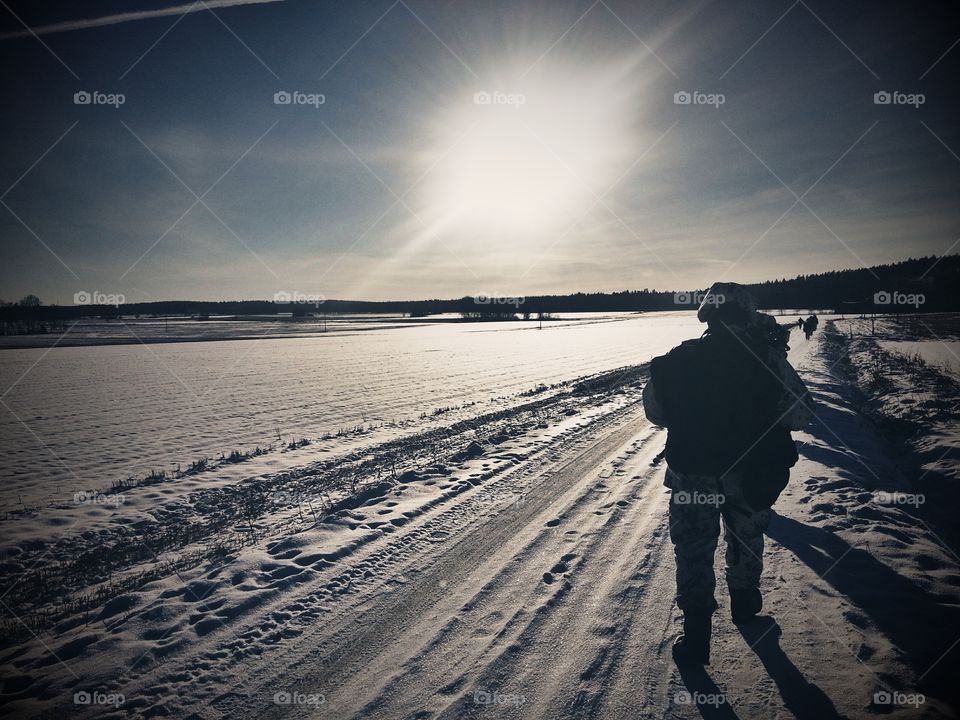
(441, 149)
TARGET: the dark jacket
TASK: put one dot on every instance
(720, 400)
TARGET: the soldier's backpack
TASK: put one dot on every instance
(720, 403)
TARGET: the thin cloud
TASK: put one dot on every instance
(115, 19)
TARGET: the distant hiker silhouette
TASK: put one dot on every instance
(729, 401)
(809, 325)
(800, 323)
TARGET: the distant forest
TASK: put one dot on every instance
(928, 284)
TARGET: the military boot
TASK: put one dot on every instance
(745, 604)
(693, 646)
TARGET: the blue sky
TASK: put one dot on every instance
(582, 172)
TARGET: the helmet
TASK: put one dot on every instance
(734, 299)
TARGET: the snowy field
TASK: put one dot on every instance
(934, 352)
(84, 417)
(134, 330)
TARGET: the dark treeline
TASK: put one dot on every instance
(926, 284)
(883, 288)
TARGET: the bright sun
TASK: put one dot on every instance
(523, 158)
(503, 175)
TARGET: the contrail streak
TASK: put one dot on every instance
(69, 25)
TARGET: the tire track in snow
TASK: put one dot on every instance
(619, 530)
(567, 659)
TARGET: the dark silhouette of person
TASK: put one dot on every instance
(800, 323)
(809, 325)
(729, 401)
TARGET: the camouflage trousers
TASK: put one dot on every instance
(697, 504)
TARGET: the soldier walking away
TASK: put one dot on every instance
(809, 325)
(729, 401)
(800, 323)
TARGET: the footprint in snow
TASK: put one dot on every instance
(558, 569)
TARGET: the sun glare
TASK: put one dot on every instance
(523, 158)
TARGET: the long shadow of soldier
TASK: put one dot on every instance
(913, 618)
(801, 697)
(704, 693)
